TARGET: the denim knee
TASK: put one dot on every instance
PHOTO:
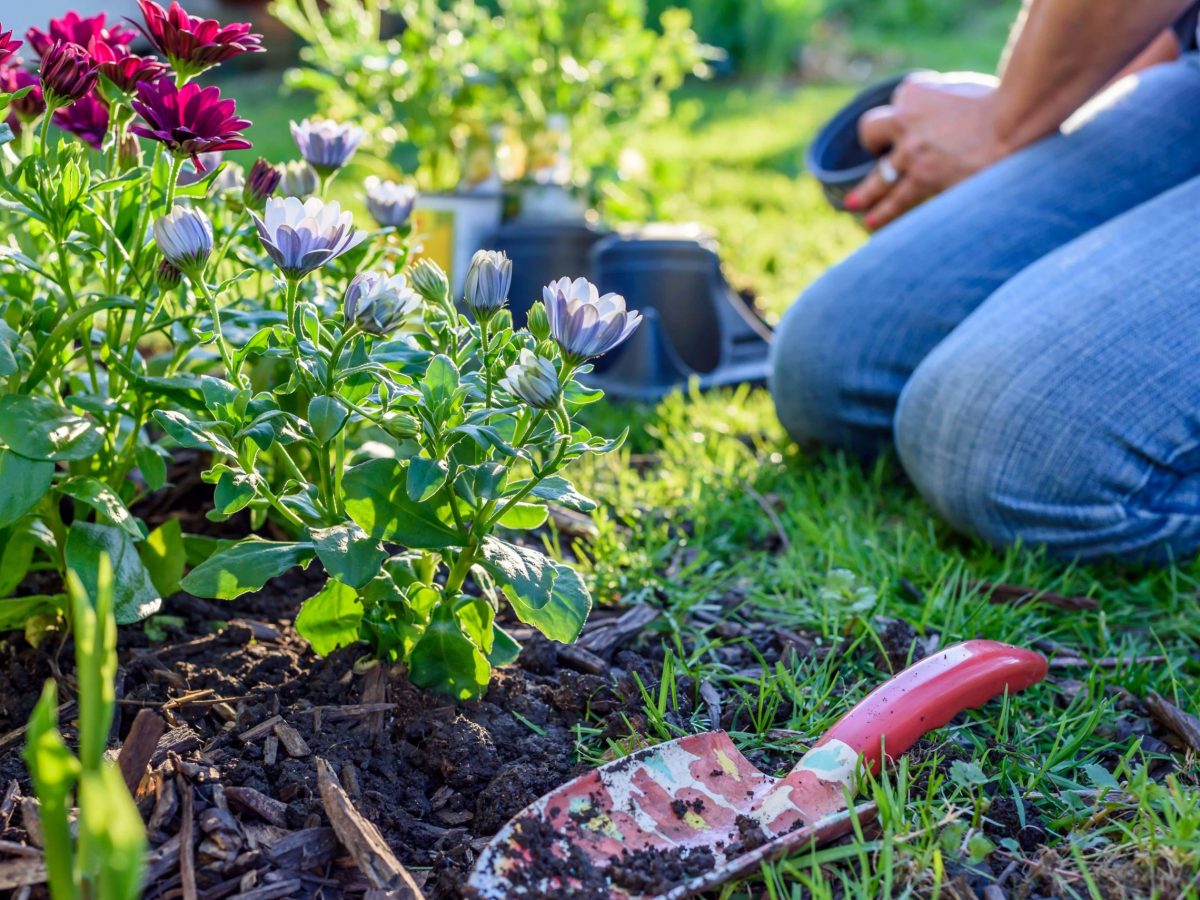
(819, 372)
(1008, 464)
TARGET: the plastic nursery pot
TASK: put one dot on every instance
(836, 158)
(694, 325)
(542, 252)
(451, 227)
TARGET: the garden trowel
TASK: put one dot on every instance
(687, 815)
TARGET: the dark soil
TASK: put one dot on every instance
(438, 778)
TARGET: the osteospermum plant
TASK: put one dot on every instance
(470, 426)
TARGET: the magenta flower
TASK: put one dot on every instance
(192, 44)
(8, 46)
(124, 69)
(32, 105)
(67, 73)
(189, 120)
(74, 29)
(86, 118)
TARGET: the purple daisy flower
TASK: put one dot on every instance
(192, 44)
(303, 236)
(189, 120)
(86, 118)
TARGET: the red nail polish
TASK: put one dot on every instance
(852, 202)
(871, 222)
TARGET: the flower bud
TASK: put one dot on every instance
(429, 280)
(129, 152)
(402, 426)
(538, 322)
(260, 184)
(378, 303)
(488, 283)
(297, 179)
(67, 73)
(533, 380)
(185, 237)
(166, 276)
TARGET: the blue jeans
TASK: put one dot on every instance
(1030, 339)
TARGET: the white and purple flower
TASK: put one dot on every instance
(303, 236)
(326, 145)
(584, 323)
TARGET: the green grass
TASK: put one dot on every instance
(845, 550)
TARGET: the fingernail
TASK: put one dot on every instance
(871, 222)
(852, 202)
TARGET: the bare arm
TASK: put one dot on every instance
(940, 132)
(1066, 51)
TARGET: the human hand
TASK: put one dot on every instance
(938, 130)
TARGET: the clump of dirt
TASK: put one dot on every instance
(656, 871)
(749, 835)
(1004, 821)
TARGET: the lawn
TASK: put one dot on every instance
(711, 515)
(850, 555)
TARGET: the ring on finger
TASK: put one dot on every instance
(888, 171)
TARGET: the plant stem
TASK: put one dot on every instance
(484, 341)
(462, 568)
(222, 345)
(173, 181)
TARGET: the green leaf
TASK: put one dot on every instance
(40, 429)
(234, 491)
(549, 596)
(133, 592)
(23, 483)
(505, 649)
(445, 660)
(245, 567)
(476, 617)
(348, 553)
(100, 497)
(163, 555)
(9, 341)
(330, 618)
(327, 416)
(112, 838)
(377, 499)
(15, 611)
(425, 478)
(440, 382)
(558, 490)
(525, 516)
(152, 465)
(54, 770)
(967, 774)
(192, 435)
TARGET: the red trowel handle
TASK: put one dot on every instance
(930, 693)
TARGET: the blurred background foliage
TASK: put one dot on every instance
(727, 151)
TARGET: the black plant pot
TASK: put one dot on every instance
(694, 325)
(542, 252)
(836, 158)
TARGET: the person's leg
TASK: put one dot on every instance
(1065, 411)
(845, 349)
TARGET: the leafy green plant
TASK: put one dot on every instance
(107, 858)
(467, 428)
(457, 71)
